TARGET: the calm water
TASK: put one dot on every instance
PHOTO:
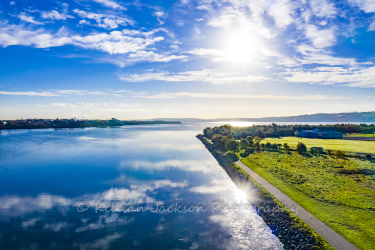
(102, 188)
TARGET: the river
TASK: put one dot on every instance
(130, 187)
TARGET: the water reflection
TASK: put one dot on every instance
(104, 188)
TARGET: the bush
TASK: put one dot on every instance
(301, 148)
(339, 154)
(247, 152)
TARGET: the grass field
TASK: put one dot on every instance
(334, 144)
(340, 192)
(359, 135)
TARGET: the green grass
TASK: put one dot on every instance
(321, 242)
(333, 144)
(345, 202)
(359, 135)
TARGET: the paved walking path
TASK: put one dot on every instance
(333, 238)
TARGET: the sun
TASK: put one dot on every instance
(241, 47)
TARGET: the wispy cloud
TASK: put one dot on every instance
(70, 92)
(110, 4)
(135, 44)
(55, 15)
(103, 20)
(321, 38)
(353, 77)
(205, 75)
(29, 93)
(238, 96)
(29, 19)
(367, 6)
(323, 8)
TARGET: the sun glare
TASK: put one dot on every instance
(241, 196)
(241, 47)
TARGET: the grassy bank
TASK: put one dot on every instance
(334, 144)
(340, 192)
(291, 231)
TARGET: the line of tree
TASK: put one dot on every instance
(71, 123)
(276, 130)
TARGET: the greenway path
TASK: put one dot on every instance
(333, 238)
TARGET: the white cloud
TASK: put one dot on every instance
(321, 38)
(64, 105)
(208, 52)
(311, 55)
(367, 6)
(29, 93)
(30, 223)
(110, 4)
(205, 75)
(160, 15)
(322, 8)
(12, 3)
(101, 243)
(29, 19)
(55, 15)
(371, 27)
(353, 77)
(282, 12)
(56, 227)
(239, 96)
(136, 44)
(195, 166)
(102, 20)
(70, 92)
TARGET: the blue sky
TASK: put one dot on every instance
(203, 59)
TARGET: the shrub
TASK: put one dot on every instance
(301, 148)
(339, 154)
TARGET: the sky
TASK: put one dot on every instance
(141, 59)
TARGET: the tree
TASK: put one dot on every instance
(207, 132)
(217, 138)
(243, 135)
(230, 137)
(263, 146)
(223, 141)
(244, 144)
(257, 139)
(301, 148)
(286, 146)
(257, 145)
(279, 145)
(232, 145)
(250, 140)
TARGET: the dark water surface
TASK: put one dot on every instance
(105, 188)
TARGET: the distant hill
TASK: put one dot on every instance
(336, 117)
(321, 117)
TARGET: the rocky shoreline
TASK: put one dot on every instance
(290, 230)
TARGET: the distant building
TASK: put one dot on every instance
(323, 133)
